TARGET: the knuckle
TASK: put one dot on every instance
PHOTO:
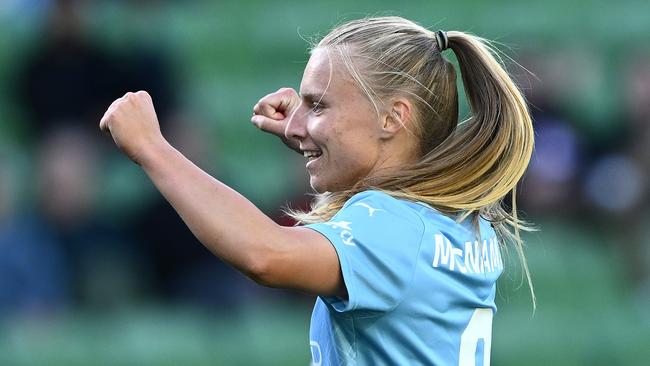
(288, 91)
(143, 94)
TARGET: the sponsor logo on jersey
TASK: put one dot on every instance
(346, 231)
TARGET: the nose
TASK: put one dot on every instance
(296, 128)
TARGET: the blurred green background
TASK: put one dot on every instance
(96, 269)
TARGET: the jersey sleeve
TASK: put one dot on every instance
(377, 239)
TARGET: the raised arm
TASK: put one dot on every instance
(229, 225)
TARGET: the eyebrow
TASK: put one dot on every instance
(312, 96)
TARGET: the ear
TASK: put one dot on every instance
(397, 117)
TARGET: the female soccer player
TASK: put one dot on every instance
(402, 243)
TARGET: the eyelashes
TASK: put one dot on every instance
(317, 107)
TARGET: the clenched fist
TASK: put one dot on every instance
(132, 122)
(272, 113)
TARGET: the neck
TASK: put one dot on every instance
(395, 154)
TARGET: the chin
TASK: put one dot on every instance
(321, 186)
(317, 186)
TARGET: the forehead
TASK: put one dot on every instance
(325, 72)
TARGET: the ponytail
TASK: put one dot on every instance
(500, 135)
(470, 166)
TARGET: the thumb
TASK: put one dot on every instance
(271, 125)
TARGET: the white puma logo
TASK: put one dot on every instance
(371, 211)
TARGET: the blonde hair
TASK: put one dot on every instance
(464, 168)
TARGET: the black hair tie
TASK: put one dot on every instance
(442, 40)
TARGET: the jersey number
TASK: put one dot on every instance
(479, 327)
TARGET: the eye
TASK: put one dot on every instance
(317, 107)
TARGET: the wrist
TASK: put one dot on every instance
(153, 153)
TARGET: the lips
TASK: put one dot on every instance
(312, 156)
(309, 154)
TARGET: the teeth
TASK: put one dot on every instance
(311, 154)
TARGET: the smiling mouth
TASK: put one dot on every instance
(312, 154)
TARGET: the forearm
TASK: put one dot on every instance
(225, 222)
(229, 225)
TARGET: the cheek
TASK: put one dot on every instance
(357, 142)
(352, 156)
(347, 139)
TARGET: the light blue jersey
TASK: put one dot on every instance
(420, 287)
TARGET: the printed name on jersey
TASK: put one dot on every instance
(473, 257)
